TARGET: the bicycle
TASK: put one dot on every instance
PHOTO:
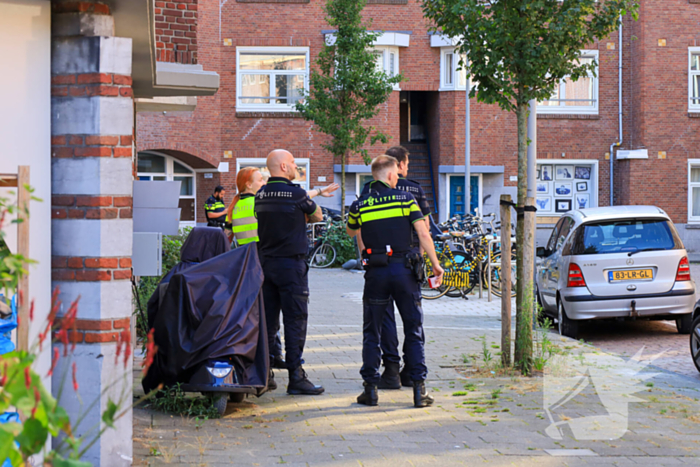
(321, 253)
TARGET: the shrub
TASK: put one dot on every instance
(345, 247)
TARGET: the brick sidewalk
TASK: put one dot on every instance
(492, 420)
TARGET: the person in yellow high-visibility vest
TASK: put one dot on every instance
(241, 212)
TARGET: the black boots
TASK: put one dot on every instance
(271, 384)
(421, 398)
(299, 383)
(406, 378)
(278, 362)
(390, 378)
(370, 396)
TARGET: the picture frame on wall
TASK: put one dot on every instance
(582, 201)
(565, 172)
(544, 204)
(542, 188)
(546, 173)
(582, 172)
(562, 205)
(562, 189)
(581, 186)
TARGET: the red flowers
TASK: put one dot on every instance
(151, 350)
(27, 377)
(37, 399)
(75, 378)
(56, 354)
(31, 311)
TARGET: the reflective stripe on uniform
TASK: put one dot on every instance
(244, 224)
(378, 213)
(216, 206)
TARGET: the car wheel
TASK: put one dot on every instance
(567, 327)
(684, 323)
(695, 342)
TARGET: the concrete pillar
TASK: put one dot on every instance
(91, 171)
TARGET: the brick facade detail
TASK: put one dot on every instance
(93, 331)
(176, 31)
(90, 269)
(655, 103)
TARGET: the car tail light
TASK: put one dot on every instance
(575, 278)
(683, 273)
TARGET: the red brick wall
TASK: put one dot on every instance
(655, 101)
(176, 31)
(658, 76)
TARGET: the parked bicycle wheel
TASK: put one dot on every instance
(495, 280)
(323, 256)
(461, 261)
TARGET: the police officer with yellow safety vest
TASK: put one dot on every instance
(215, 209)
(388, 217)
(391, 377)
(241, 213)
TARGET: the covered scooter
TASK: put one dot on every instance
(209, 321)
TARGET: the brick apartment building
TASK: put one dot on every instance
(252, 43)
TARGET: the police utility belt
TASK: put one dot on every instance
(381, 257)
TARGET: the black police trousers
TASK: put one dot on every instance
(389, 341)
(381, 285)
(286, 288)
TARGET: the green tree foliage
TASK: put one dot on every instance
(346, 88)
(518, 50)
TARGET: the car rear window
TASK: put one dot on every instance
(623, 236)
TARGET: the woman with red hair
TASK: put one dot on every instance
(241, 212)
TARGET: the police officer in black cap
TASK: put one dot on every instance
(390, 340)
(283, 209)
(388, 217)
(215, 209)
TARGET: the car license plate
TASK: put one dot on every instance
(630, 275)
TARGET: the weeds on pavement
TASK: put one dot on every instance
(175, 401)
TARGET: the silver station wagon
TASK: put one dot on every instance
(614, 262)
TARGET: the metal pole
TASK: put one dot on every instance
(467, 154)
(531, 150)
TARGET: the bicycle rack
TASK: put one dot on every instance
(489, 264)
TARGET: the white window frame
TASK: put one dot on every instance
(593, 182)
(358, 184)
(692, 107)
(453, 73)
(170, 175)
(571, 109)
(481, 191)
(267, 50)
(386, 51)
(692, 163)
(261, 162)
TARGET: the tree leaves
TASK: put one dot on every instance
(519, 50)
(109, 413)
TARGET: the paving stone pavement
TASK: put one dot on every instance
(479, 418)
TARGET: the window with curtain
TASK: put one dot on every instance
(694, 191)
(452, 75)
(579, 96)
(271, 78)
(694, 80)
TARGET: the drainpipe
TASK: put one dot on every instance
(619, 113)
(467, 155)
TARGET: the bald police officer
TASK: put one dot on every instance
(390, 340)
(388, 217)
(282, 209)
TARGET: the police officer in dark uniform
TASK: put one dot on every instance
(215, 209)
(387, 217)
(390, 340)
(283, 209)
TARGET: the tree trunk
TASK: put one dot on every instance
(343, 160)
(523, 316)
